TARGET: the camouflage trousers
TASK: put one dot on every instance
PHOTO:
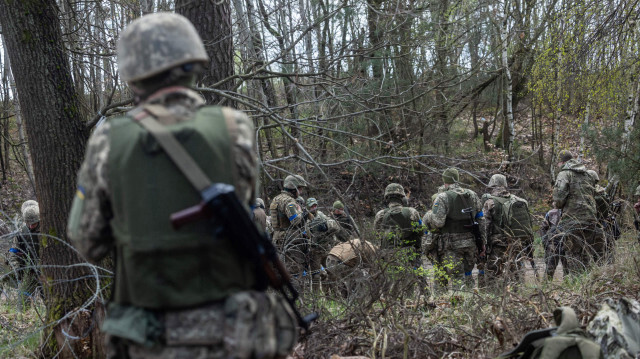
(456, 261)
(506, 257)
(583, 244)
(553, 252)
(247, 325)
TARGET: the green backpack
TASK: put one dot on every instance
(398, 226)
(511, 216)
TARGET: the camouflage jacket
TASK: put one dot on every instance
(260, 218)
(93, 235)
(285, 212)
(574, 193)
(488, 206)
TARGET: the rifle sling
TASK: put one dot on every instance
(180, 157)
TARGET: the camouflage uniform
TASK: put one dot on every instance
(616, 327)
(348, 226)
(458, 244)
(212, 313)
(553, 251)
(24, 253)
(582, 237)
(399, 226)
(503, 250)
(323, 230)
(347, 264)
(259, 215)
(288, 220)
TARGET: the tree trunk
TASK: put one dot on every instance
(56, 133)
(212, 19)
(511, 134)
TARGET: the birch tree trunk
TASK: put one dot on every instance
(509, 86)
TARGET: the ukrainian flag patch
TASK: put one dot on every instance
(80, 192)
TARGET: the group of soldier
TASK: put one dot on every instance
(188, 290)
(462, 230)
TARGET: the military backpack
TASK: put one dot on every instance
(511, 216)
(398, 226)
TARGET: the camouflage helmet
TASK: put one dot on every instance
(26, 204)
(394, 189)
(497, 180)
(338, 205)
(594, 175)
(637, 192)
(155, 43)
(31, 215)
(295, 181)
(259, 203)
(311, 201)
(564, 156)
(300, 201)
(450, 176)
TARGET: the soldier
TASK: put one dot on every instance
(551, 240)
(399, 226)
(459, 243)
(25, 251)
(324, 230)
(349, 228)
(507, 227)
(286, 214)
(185, 293)
(288, 219)
(346, 265)
(573, 193)
(259, 215)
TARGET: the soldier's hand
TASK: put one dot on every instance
(482, 254)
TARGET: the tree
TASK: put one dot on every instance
(212, 19)
(56, 134)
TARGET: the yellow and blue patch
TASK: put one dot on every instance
(80, 192)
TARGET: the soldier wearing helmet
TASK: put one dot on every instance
(286, 214)
(178, 285)
(25, 251)
(573, 193)
(259, 215)
(508, 229)
(288, 219)
(399, 226)
(446, 216)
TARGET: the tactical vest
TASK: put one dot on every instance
(511, 217)
(398, 225)
(580, 196)
(456, 220)
(157, 266)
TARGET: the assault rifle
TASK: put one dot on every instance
(220, 201)
(474, 227)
